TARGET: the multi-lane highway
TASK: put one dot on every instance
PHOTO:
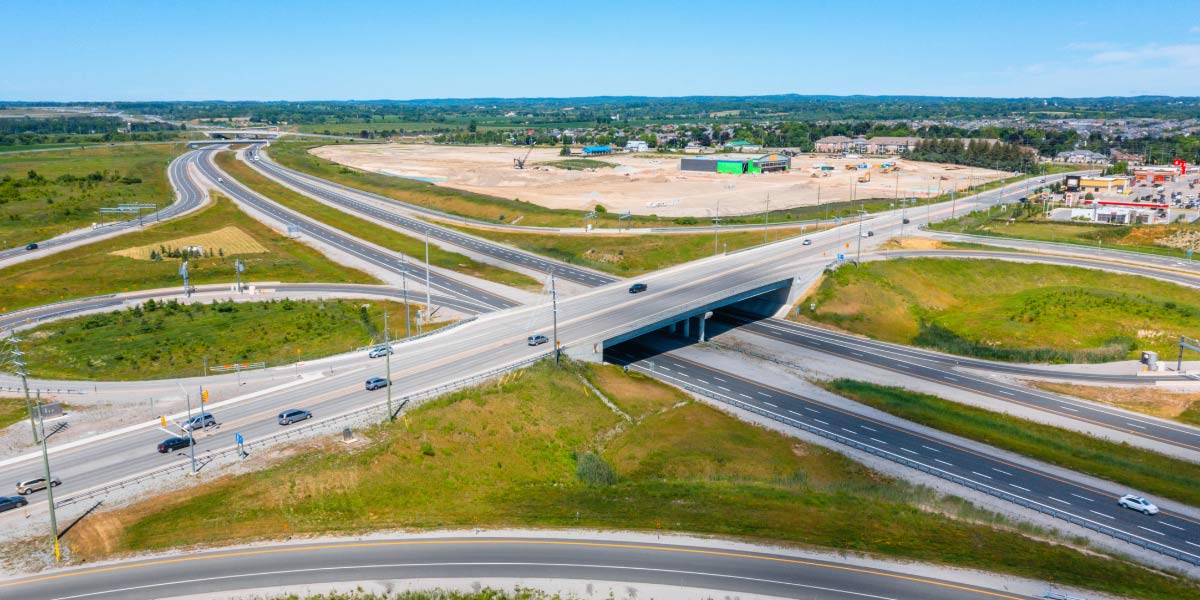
(481, 300)
(717, 570)
(1097, 506)
(369, 205)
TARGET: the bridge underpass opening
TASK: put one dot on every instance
(697, 324)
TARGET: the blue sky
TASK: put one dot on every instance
(304, 50)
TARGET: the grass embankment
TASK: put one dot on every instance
(1028, 223)
(520, 593)
(540, 450)
(494, 209)
(96, 268)
(1147, 471)
(12, 410)
(44, 194)
(579, 164)
(1156, 401)
(633, 254)
(158, 340)
(1007, 311)
(369, 231)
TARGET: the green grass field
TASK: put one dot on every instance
(44, 194)
(633, 254)
(1007, 311)
(579, 164)
(540, 450)
(1143, 470)
(92, 270)
(163, 340)
(369, 231)
(12, 410)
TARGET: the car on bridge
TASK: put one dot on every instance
(173, 443)
(36, 484)
(32, 246)
(11, 502)
(1138, 503)
(637, 288)
(380, 350)
(538, 339)
(375, 383)
(292, 415)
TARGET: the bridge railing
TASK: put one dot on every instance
(366, 414)
(945, 475)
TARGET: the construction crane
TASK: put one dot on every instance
(519, 163)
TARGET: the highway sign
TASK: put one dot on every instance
(841, 256)
(238, 437)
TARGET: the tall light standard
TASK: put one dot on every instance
(716, 225)
(49, 486)
(387, 358)
(861, 217)
(554, 311)
(404, 284)
(183, 272)
(428, 298)
(766, 216)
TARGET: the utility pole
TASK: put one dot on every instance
(19, 364)
(387, 358)
(861, 217)
(716, 226)
(428, 299)
(191, 429)
(766, 216)
(404, 283)
(554, 310)
(49, 487)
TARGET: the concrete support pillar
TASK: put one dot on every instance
(702, 321)
(675, 327)
(687, 327)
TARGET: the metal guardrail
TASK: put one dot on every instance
(413, 338)
(289, 433)
(1065, 245)
(32, 390)
(997, 493)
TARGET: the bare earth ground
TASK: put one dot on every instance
(648, 183)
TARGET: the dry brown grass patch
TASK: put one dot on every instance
(1155, 401)
(231, 240)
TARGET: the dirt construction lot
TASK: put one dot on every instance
(649, 183)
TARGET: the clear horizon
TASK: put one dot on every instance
(308, 51)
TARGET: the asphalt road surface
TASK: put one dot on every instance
(353, 200)
(1175, 532)
(189, 196)
(713, 568)
(481, 300)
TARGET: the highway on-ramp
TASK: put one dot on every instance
(1063, 498)
(359, 202)
(472, 558)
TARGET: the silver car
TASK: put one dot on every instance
(38, 484)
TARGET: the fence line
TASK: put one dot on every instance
(1001, 494)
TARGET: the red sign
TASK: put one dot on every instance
(1179, 162)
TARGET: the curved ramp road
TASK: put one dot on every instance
(723, 571)
(1097, 507)
(188, 197)
(344, 197)
(482, 300)
(945, 370)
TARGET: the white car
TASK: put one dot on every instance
(1138, 503)
(807, 242)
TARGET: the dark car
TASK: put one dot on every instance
(637, 287)
(905, 221)
(11, 502)
(31, 246)
(375, 383)
(292, 415)
(173, 443)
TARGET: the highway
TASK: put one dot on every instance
(1096, 506)
(481, 300)
(948, 370)
(721, 570)
(359, 203)
(188, 197)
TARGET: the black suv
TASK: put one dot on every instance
(637, 287)
(173, 443)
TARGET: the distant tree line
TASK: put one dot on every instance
(974, 152)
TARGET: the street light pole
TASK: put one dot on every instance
(404, 283)
(716, 225)
(49, 487)
(766, 217)
(387, 360)
(428, 299)
(554, 310)
(858, 257)
(191, 429)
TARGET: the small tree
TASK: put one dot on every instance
(1089, 196)
(566, 151)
